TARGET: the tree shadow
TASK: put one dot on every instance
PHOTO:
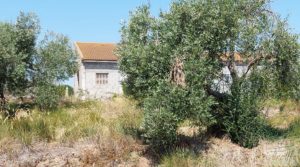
(196, 145)
(293, 130)
(199, 144)
(10, 109)
(272, 133)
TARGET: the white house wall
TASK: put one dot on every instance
(88, 79)
(223, 85)
(79, 81)
(89, 89)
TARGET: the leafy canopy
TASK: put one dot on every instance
(174, 63)
(31, 67)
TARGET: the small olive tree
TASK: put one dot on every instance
(174, 64)
(31, 67)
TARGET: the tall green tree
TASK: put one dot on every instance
(174, 64)
(55, 61)
(16, 51)
(26, 65)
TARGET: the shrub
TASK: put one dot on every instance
(245, 129)
(168, 107)
(242, 120)
(47, 97)
(160, 127)
(62, 90)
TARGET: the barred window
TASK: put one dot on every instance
(101, 78)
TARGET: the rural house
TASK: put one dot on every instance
(224, 83)
(98, 75)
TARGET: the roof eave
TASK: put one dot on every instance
(78, 50)
(93, 60)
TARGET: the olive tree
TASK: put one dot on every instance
(174, 66)
(28, 66)
(17, 42)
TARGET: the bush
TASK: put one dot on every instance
(242, 120)
(246, 129)
(47, 97)
(62, 90)
(168, 107)
(160, 127)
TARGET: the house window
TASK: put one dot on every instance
(101, 78)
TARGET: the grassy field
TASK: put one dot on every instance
(105, 123)
(72, 121)
(87, 133)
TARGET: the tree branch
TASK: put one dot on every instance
(231, 66)
(254, 62)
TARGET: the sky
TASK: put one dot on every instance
(100, 20)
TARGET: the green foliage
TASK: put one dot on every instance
(180, 102)
(241, 118)
(47, 97)
(27, 67)
(56, 59)
(17, 42)
(285, 69)
(63, 88)
(171, 105)
(141, 63)
(196, 40)
(160, 127)
(242, 121)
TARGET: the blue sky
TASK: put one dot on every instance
(99, 20)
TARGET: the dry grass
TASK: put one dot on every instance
(63, 125)
(282, 105)
(282, 152)
(222, 152)
(93, 132)
(186, 158)
(267, 154)
(283, 119)
(73, 122)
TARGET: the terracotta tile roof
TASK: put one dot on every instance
(237, 57)
(96, 51)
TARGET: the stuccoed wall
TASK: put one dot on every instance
(224, 84)
(90, 89)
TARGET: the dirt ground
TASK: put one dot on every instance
(82, 153)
